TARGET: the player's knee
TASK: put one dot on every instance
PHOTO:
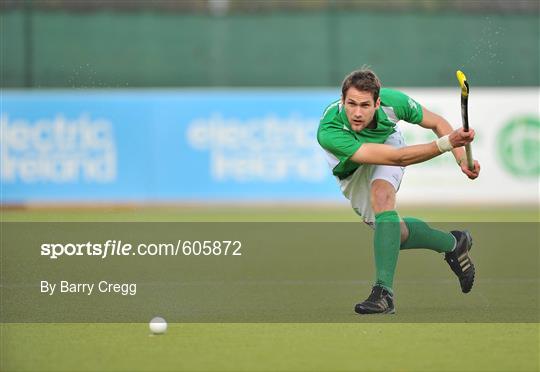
(382, 198)
(404, 231)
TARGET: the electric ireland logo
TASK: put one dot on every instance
(518, 145)
(57, 149)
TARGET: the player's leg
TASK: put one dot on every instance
(455, 245)
(357, 188)
(421, 235)
(389, 232)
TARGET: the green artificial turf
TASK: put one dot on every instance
(305, 306)
(271, 347)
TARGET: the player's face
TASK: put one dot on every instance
(360, 108)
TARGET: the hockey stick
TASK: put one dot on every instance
(464, 113)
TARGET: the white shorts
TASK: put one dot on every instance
(357, 186)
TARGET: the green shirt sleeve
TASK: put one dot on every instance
(405, 107)
(340, 142)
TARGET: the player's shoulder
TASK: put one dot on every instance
(331, 112)
(393, 98)
(399, 106)
(331, 127)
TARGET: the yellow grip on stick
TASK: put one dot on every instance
(462, 83)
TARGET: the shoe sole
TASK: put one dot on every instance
(468, 288)
(469, 238)
(389, 311)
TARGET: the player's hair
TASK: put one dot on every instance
(364, 80)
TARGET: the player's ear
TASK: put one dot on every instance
(377, 103)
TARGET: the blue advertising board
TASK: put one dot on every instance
(163, 145)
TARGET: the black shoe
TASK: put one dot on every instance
(459, 260)
(380, 301)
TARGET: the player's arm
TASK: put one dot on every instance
(373, 153)
(441, 127)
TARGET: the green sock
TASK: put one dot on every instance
(387, 240)
(423, 236)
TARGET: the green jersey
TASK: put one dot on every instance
(340, 142)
